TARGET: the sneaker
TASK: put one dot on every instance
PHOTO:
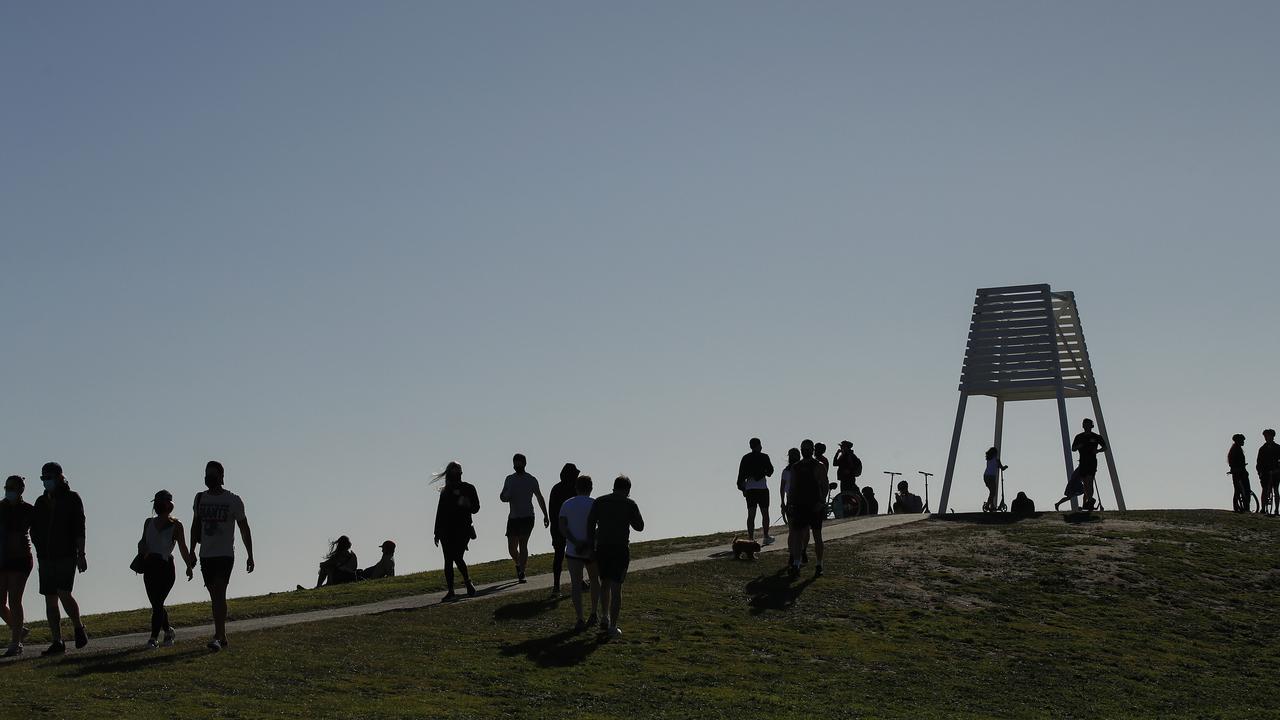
(555, 592)
(14, 649)
(817, 571)
(579, 626)
(82, 637)
(471, 590)
(448, 596)
(615, 632)
(58, 648)
(216, 645)
(169, 637)
(520, 577)
(769, 539)
(152, 644)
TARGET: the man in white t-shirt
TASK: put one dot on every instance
(518, 491)
(218, 512)
(578, 551)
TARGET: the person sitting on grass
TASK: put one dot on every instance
(339, 566)
(907, 501)
(870, 506)
(1022, 505)
(386, 567)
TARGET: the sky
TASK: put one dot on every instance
(336, 245)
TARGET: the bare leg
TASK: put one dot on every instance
(593, 575)
(575, 586)
(817, 542)
(524, 553)
(751, 521)
(513, 549)
(54, 617)
(605, 587)
(764, 521)
(615, 603)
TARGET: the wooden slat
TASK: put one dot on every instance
(1012, 289)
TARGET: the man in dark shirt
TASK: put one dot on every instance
(560, 492)
(1268, 468)
(57, 531)
(906, 501)
(753, 473)
(609, 526)
(806, 498)
(1088, 444)
(1239, 470)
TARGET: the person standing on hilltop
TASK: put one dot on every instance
(1239, 470)
(848, 469)
(454, 531)
(560, 492)
(1268, 468)
(217, 512)
(609, 526)
(15, 560)
(518, 491)
(1088, 444)
(57, 531)
(754, 472)
(784, 483)
(805, 507)
(991, 478)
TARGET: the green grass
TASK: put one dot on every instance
(197, 613)
(1142, 614)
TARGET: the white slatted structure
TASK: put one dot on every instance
(1026, 343)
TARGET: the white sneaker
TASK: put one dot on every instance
(768, 539)
(615, 632)
(169, 637)
(152, 644)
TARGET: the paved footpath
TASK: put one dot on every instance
(833, 530)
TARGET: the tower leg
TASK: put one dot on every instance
(999, 422)
(1066, 440)
(951, 459)
(1111, 460)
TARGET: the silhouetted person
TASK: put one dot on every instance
(906, 501)
(848, 468)
(560, 492)
(159, 536)
(806, 506)
(518, 491)
(339, 565)
(991, 478)
(57, 531)
(1022, 506)
(754, 472)
(15, 560)
(609, 526)
(870, 506)
(1239, 468)
(458, 502)
(1268, 468)
(784, 483)
(386, 565)
(217, 513)
(574, 515)
(1088, 444)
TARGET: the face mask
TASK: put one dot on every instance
(50, 484)
(12, 496)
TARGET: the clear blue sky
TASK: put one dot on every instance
(336, 245)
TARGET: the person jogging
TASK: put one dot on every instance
(572, 519)
(1088, 444)
(216, 513)
(454, 531)
(991, 478)
(806, 497)
(609, 526)
(1239, 471)
(15, 560)
(754, 472)
(560, 492)
(159, 535)
(518, 491)
(1268, 467)
(57, 531)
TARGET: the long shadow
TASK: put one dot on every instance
(776, 592)
(527, 609)
(998, 518)
(1080, 516)
(563, 649)
(125, 661)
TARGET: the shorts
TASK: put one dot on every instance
(216, 571)
(57, 575)
(613, 561)
(806, 517)
(455, 547)
(757, 498)
(521, 527)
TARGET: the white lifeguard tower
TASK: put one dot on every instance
(1025, 343)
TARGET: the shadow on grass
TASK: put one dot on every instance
(998, 518)
(124, 661)
(527, 609)
(563, 649)
(776, 591)
(1080, 516)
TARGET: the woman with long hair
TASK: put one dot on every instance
(560, 492)
(339, 566)
(991, 477)
(159, 534)
(15, 560)
(453, 531)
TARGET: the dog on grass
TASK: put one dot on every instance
(745, 548)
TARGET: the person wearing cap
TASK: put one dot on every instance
(1238, 468)
(159, 534)
(15, 560)
(1268, 467)
(386, 567)
(217, 514)
(1088, 444)
(57, 531)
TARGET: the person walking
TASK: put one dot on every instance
(609, 526)
(217, 512)
(1268, 467)
(339, 565)
(57, 531)
(754, 472)
(806, 497)
(159, 534)
(572, 519)
(453, 531)
(15, 560)
(518, 491)
(1088, 444)
(784, 483)
(991, 477)
(1239, 471)
(560, 492)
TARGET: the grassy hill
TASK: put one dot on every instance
(1141, 614)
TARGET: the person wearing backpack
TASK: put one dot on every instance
(754, 472)
(907, 501)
